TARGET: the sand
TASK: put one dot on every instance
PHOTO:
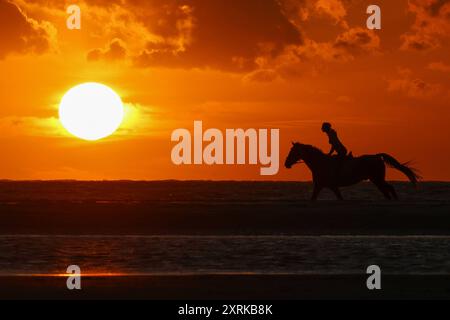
(295, 217)
(229, 287)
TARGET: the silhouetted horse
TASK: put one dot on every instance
(331, 172)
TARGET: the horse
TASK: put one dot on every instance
(333, 172)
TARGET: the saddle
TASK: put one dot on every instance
(349, 156)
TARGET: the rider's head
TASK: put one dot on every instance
(326, 126)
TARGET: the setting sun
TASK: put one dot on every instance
(91, 111)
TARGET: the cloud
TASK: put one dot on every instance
(347, 45)
(300, 11)
(356, 41)
(21, 34)
(138, 120)
(115, 50)
(224, 35)
(261, 75)
(431, 27)
(413, 87)
(216, 34)
(334, 9)
(309, 57)
(262, 39)
(30, 126)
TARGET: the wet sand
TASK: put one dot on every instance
(229, 287)
(194, 218)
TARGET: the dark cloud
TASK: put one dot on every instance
(357, 40)
(431, 27)
(260, 37)
(311, 56)
(300, 11)
(20, 34)
(220, 34)
(256, 37)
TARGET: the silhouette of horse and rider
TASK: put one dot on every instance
(340, 170)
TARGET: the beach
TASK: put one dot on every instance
(227, 287)
(210, 208)
(221, 240)
(203, 218)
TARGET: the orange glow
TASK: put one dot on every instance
(273, 67)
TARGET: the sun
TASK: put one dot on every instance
(91, 111)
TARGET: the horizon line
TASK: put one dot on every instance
(187, 180)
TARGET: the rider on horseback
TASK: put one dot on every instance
(336, 144)
(344, 170)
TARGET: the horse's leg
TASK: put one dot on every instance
(337, 192)
(391, 189)
(316, 192)
(381, 185)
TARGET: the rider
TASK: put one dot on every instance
(336, 144)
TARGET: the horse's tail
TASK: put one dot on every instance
(410, 172)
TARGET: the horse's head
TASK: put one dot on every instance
(294, 155)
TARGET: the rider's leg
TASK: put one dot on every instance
(340, 161)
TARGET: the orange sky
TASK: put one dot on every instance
(287, 64)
